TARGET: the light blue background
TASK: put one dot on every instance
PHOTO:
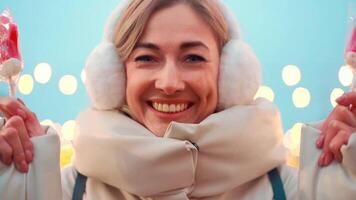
(309, 34)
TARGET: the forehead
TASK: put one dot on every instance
(177, 23)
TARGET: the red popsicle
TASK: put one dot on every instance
(10, 56)
(351, 47)
(9, 40)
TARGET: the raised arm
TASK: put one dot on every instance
(29, 167)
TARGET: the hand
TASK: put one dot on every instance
(337, 129)
(16, 107)
(10, 107)
(15, 144)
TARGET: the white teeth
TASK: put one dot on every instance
(169, 108)
(178, 107)
(172, 108)
(185, 106)
(165, 108)
(159, 107)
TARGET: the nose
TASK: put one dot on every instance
(169, 79)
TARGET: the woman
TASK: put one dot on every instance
(188, 127)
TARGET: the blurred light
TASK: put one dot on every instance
(345, 75)
(83, 76)
(337, 92)
(25, 84)
(66, 155)
(291, 75)
(68, 129)
(43, 73)
(47, 122)
(301, 97)
(266, 92)
(292, 141)
(68, 84)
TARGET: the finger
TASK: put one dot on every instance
(326, 122)
(5, 150)
(325, 159)
(10, 107)
(326, 156)
(12, 138)
(353, 109)
(18, 123)
(332, 131)
(347, 99)
(320, 141)
(340, 113)
(340, 139)
(22, 102)
(33, 125)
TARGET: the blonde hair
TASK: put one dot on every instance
(132, 22)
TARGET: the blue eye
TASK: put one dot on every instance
(145, 58)
(195, 58)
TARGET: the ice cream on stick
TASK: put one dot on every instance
(350, 57)
(10, 56)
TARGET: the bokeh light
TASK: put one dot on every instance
(83, 76)
(335, 93)
(292, 141)
(68, 130)
(25, 84)
(66, 155)
(345, 75)
(68, 85)
(47, 122)
(301, 97)
(291, 75)
(266, 92)
(43, 73)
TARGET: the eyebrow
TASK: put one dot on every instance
(185, 45)
(191, 44)
(146, 46)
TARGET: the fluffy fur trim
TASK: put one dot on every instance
(111, 24)
(105, 77)
(240, 75)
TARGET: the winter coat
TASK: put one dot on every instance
(224, 157)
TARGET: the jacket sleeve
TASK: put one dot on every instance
(43, 179)
(336, 181)
(69, 174)
(289, 177)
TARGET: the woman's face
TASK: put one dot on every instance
(172, 73)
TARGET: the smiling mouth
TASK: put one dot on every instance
(169, 108)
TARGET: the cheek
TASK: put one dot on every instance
(205, 86)
(212, 78)
(211, 92)
(136, 84)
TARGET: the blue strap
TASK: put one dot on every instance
(277, 185)
(79, 187)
